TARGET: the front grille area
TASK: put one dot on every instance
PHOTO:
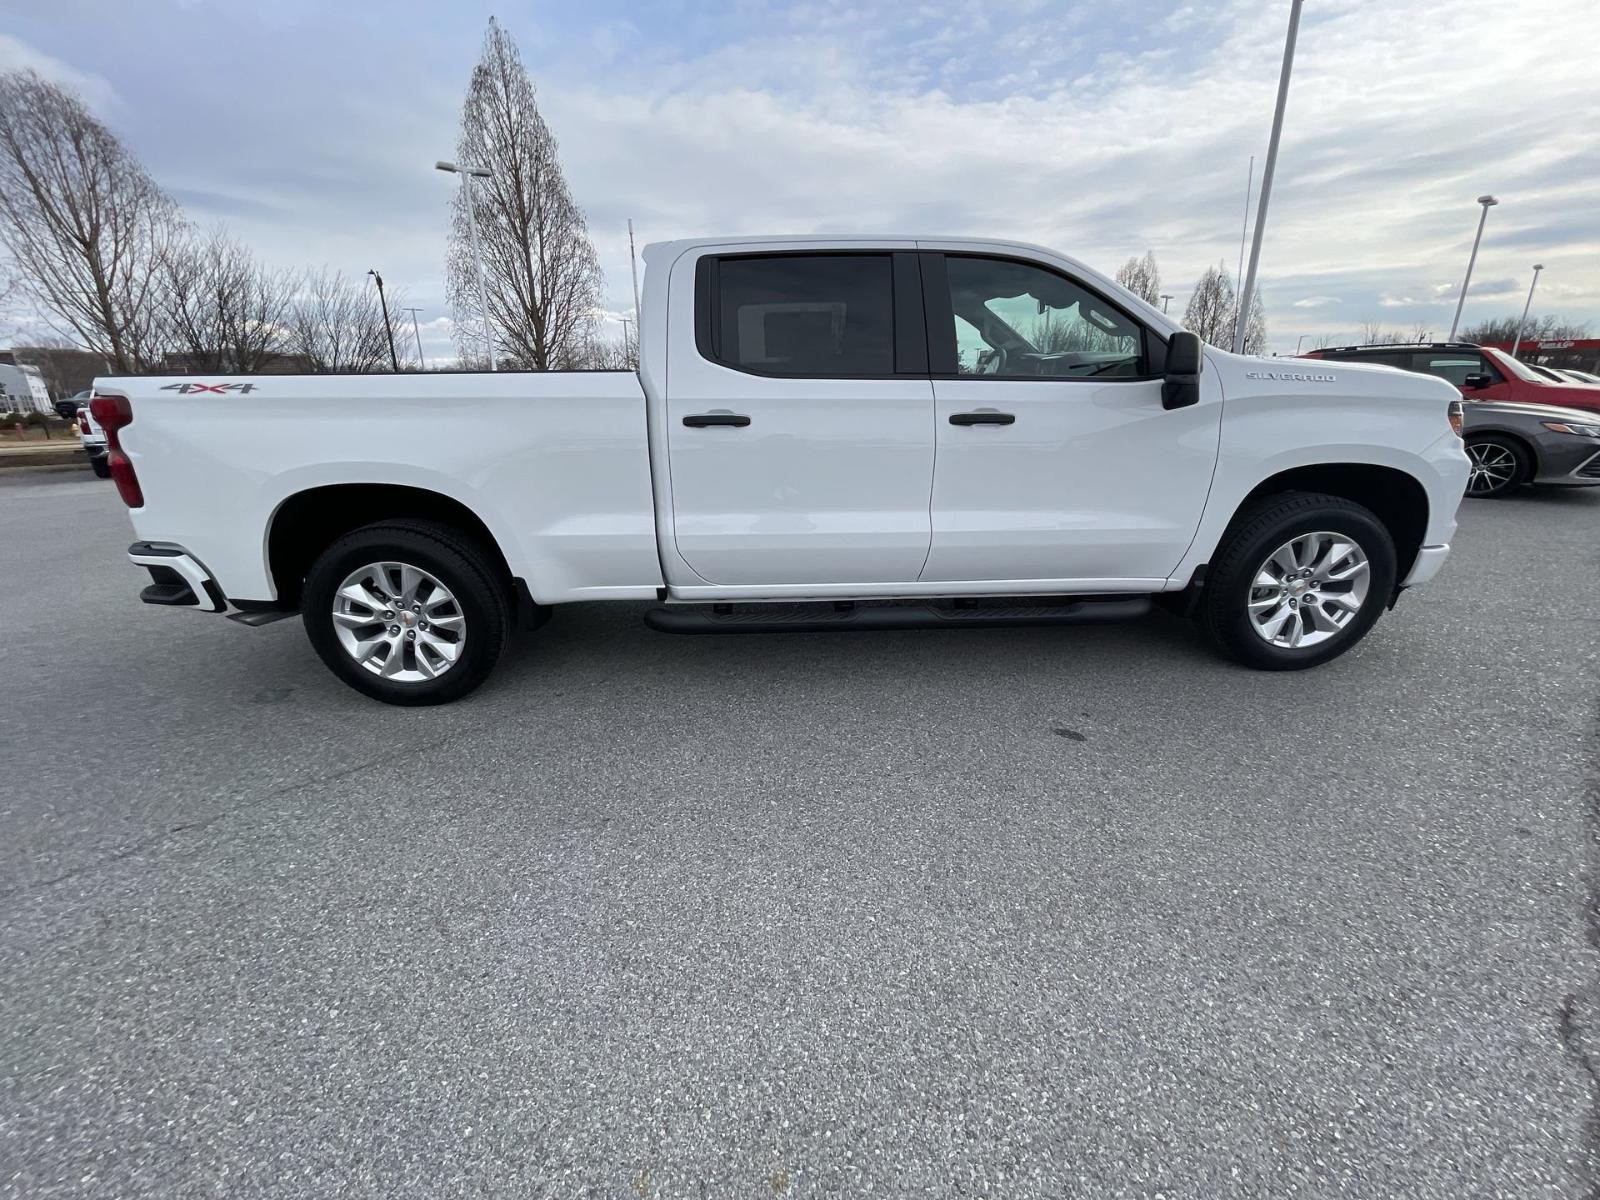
(1590, 469)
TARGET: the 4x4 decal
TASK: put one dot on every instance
(183, 389)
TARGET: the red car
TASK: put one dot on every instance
(1481, 372)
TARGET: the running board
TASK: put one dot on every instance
(261, 616)
(845, 618)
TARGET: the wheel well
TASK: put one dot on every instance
(308, 522)
(1394, 497)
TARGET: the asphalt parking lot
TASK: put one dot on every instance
(1056, 912)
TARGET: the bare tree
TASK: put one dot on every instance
(544, 280)
(1142, 277)
(222, 310)
(1255, 329)
(86, 224)
(336, 325)
(1210, 310)
(1548, 328)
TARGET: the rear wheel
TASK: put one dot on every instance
(1298, 581)
(407, 612)
(1499, 465)
(101, 467)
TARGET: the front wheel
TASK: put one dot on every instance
(407, 612)
(1498, 466)
(1298, 581)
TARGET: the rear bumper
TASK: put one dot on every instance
(177, 578)
(1429, 560)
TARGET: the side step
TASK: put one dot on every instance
(845, 618)
(178, 594)
(261, 616)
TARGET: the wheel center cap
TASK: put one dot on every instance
(1299, 587)
(407, 619)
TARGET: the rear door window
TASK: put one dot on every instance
(806, 315)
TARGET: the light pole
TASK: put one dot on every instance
(1247, 296)
(467, 174)
(422, 363)
(1522, 320)
(1297, 342)
(388, 329)
(1488, 202)
(1164, 300)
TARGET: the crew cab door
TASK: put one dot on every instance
(1056, 460)
(799, 418)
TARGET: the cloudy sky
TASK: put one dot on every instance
(1103, 129)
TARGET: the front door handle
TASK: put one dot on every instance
(701, 420)
(984, 416)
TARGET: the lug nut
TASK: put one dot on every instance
(423, 625)
(393, 629)
(411, 635)
(388, 614)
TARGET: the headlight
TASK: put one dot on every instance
(1572, 427)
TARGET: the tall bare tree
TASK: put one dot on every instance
(1213, 309)
(86, 224)
(544, 280)
(1210, 310)
(1142, 277)
(221, 309)
(336, 325)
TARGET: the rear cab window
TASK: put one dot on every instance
(823, 315)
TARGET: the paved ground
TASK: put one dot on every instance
(1010, 913)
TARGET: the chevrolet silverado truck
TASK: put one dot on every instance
(824, 434)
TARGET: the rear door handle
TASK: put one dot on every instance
(984, 416)
(701, 420)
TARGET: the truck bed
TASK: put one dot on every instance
(555, 465)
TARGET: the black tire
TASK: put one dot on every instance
(456, 561)
(101, 467)
(1489, 450)
(1223, 612)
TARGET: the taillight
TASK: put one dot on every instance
(1456, 416)
(83, 423)
(112, 413)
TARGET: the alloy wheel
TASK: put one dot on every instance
(1308, 590)
(399, 622)
(1493, 468)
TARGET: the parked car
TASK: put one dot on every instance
(1481, 372)
(824, 434)
(1511, 442)
(1577, 376)
(93, 440)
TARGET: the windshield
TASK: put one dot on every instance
(1516, 366)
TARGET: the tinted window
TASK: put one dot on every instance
(1452, 365)
(821, 314)
(1014, 320)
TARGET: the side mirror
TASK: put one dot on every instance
(1477, 382)
(1185, 355)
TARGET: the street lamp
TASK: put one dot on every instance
(1488, 202)
(467, 173)
(1297, 342)
(1537, 267)
(388, 329)
(1164, 299)
(1247, 296)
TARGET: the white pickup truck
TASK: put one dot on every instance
(824, 434)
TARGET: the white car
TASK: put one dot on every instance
(91, 437)
(825, 434)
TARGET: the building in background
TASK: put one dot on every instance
(22, 389)
(1576, 354)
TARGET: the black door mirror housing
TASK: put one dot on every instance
(1477, 382)
(1185, 357)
